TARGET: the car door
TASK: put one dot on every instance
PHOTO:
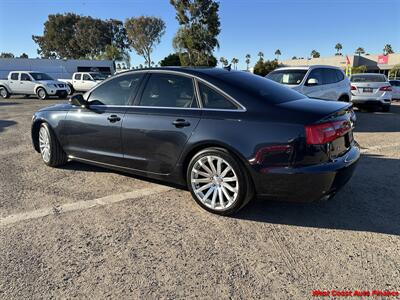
(14, 83)
(94, 133)
(28, 86)
(329, 87)
(87, 82)
(76, 82)
(314, 90)
(156, 129)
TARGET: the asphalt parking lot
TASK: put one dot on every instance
(82, 231)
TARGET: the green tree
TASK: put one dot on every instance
(24, 55)
(315, 54)
(196, 38)
(224, 61)
(294, 57)
(394, 72)
(262, 68)
(234, 62)
(112, 52)
(6, 55)
(388, 49)
(360, 51)
(247, 61)
(359, 69)
(171, 60)
(260, 55)
(338, 48)
(278, 53)
(144, 34)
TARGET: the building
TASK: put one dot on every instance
(374, 63)
(56, 68)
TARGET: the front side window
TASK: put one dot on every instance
(25, 77)
(169, 90)
(289, 77)
(14, 76)
(41, 76)
(213, 99)
(116, 91)
(86, 77)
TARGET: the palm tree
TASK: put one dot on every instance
(388, 49)
(277, 53)
(338, 47)
(248, 60)
(261, 55)
(315, 54)
(234, 62)
(223, 61)
(360, 51)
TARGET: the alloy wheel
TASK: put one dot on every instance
(214, 182)
(44, 144)
(42, 94)
(3, 92)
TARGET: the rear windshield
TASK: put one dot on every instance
(41, 76)
(293, 77)
(368, 78)
(261, 87)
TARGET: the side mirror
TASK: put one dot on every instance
(78, 100)
(312, 81)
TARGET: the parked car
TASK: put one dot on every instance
(395, 89)
(370, 90)
(319, 81)
(83, 81)
(32, 83)
(226, 135)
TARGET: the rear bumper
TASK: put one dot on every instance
(307, 184)
(362, 100)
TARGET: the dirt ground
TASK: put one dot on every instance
(144, 241)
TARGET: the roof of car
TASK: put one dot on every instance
(367, 74)
(308, 67)
(187, 70)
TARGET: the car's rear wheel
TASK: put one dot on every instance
(4, 93)
(218, 182)
(52, 153)
(41, 93)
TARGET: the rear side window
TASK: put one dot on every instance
(14, 76)
(78, 76)
(329, 76)
(169, 90)
(116, 91)
(213, 99)
(339, 75)
(368, 78)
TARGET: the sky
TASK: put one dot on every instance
(247, 26)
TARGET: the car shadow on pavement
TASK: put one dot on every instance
(369, 202)
(9, 103)
(6, 123)
(383, 121)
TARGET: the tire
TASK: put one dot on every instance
(71, 89)
(386, 108)
(214, 198)
(4, 93)
(41, 93)
(50, 149)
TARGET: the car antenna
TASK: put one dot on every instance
(228, 68)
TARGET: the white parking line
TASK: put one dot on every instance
(81, 205)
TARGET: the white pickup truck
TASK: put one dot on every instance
(32, 83)
(83, 81)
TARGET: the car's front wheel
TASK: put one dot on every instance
(52, 153)
(41, 93)
(218, 182)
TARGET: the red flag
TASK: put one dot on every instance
(347, 60)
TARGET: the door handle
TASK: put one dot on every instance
(113, 118)
(181, 123)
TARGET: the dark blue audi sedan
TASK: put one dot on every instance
(226, 135)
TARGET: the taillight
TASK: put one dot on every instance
(353, 88)
(318, 134)
(386, 89)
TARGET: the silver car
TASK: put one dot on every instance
(371, 90)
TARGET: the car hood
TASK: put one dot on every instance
(57, 107)
(46, 82)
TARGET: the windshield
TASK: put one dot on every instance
(98, 76)
(293, 77)
(368, 78)
(41, 76)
